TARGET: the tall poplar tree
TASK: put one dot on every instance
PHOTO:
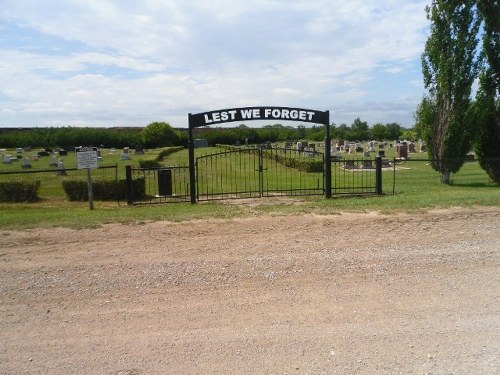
(487, 105)
(449, 64)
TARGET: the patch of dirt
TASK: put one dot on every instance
(308, 294)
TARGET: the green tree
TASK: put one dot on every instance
(487, 105)
(159, 134)
(360, 130)
(379, 132)
(450, 64)
(393, 130)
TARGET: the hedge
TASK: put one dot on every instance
(302, 164)
(155, 163)
(104, 189)
(19, 191)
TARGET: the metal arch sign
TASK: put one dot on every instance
(258, 113)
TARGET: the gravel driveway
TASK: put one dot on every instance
(338, 294)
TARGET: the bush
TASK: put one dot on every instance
(155, 163)
(19, 191)
(165, 152)
(104, 190)
(149, 164)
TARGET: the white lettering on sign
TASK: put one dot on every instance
(257, 113)
(220, 116)
(285, 114)
(250, 113)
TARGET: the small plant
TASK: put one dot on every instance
(104, 190)
(19, 191)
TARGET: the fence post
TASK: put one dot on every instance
(128, 174)
(192, 170)
(378, 174)
(328, 158)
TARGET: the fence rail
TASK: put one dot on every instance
(354, 177)
(261, 173)
(162, 185)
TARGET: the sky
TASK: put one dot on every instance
(107, 63)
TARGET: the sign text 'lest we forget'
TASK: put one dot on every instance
(258, 113)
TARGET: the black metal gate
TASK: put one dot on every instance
(259, 172)
(254, 172)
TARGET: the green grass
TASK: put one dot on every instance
(418, 188)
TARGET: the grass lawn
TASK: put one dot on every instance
(416, 187)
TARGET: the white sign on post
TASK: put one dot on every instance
(86, 158)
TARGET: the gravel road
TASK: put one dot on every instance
(338, 294)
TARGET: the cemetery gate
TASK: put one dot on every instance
(265, 170)
(255, 176)
(238, 172)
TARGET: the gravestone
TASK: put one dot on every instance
(349, 164)
(402, 150)
(54, 162)
(381, 153)
(61, 168)
(139, 150)
(7, 159)
(125, 154)
(26, 163)
(367, 164)
(371, 146)
(411, 147)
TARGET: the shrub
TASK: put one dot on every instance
(155, 163)
(104, 189)
(165, 152)
(19, 191)
(149, 164)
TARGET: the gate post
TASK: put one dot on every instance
(128, 175)
(378, 174)
(328, 158)
(192, 172)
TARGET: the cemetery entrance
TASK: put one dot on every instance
(262, 171)
(241, 171)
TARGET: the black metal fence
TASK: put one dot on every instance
(161, 185)
(258, 172)
(261, 172)
(355, 176)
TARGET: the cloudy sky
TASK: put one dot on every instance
(132, 62)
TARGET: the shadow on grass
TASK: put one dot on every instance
(479, 185)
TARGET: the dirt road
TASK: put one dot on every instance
(339, 294)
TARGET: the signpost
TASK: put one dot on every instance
(87, 158)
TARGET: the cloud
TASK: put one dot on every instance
(104, 63)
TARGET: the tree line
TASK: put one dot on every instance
(162, 134)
